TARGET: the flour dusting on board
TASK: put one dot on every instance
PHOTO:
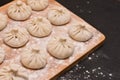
(54, 66)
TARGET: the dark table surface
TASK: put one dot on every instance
(104, 63)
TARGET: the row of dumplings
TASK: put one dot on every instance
(59, 47)
(39, 26)
(21, 11)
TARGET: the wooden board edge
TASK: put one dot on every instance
(81, 58)
(102, 40)
(67, 68)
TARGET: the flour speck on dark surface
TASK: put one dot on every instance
(104, 63)
(90, 68)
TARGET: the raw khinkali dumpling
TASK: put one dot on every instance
(2, 55)
(39, 27)
(60, 47)
(38, 4)
(16, 37)
(80, 33)
(3, 21)
(19, 11)
(59, 16)
(13, 72)
(33, 58)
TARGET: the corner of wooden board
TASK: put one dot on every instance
(102, 39)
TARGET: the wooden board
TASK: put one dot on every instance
(54, 66)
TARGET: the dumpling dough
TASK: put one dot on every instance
(60, 47)
(39, 27)
(3, 21)
(2, 55)
(38, 4)
(80, 33)
(59, 16)
(13, 72)
(33, 58)
(19, 11)
(16, 37)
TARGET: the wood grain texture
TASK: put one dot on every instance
(54, 66)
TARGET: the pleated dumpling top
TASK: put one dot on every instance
(19, 11)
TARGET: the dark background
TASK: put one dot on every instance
(104, 63)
